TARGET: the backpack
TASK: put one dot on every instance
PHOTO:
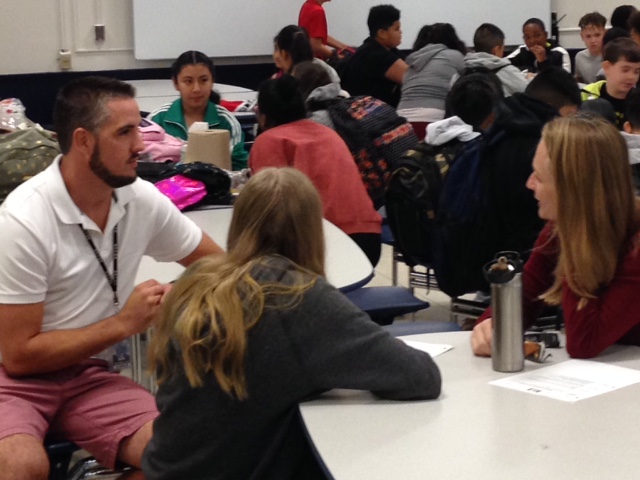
(24, 154)
(216, 181)
(376, 136)
(413, 198)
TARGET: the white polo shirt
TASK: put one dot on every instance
(45, 257)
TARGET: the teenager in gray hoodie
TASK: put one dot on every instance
(438, 55)
(488, 42)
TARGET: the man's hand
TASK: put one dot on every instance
(540, 53)
(142, 307)
(481, 338)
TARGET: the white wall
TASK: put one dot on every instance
(33, 31)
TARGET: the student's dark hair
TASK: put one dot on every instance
(474, 96)
(632, 108)
(83, 104)
(295, 41)
(594, 18)
(599, 107)
(621, 48)
(310, 76)
(634, 21)
(280, 101)
(535, 21)
(613, 33)
(556, 87)
(487, 37)
(193, 57)
(382, 17)
(443, 33)
(620, 16)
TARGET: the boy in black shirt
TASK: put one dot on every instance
(377, 68)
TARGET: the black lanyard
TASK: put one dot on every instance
(113, 280)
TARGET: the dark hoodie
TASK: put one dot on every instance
(515, 223)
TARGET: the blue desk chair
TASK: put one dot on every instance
(59, 453)
(383, 304)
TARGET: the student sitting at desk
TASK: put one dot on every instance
(377, 67)
(291, 140)
(587, 258)
(243, 339)
(192, 75)
(537, 53)
(291, 47)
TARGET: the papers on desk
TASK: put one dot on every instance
(572, 380)
(433, 349)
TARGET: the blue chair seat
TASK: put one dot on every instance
(399, 329)
(383, 304)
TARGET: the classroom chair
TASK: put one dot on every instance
(383, 304)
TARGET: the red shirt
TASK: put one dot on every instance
(613, 316)
(313, 19)
(320, 153)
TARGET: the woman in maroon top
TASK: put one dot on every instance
(587, 258)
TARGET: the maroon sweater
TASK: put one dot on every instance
(614, 316)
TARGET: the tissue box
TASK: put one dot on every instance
(210, 146)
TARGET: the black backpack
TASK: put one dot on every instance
(376, 136)
(413, 198)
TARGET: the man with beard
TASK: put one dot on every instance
(72, 239)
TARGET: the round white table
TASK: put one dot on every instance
(347, 267)
(479, 431)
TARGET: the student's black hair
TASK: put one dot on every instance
(474, 96)
(632, 109)
(487, 37)
(620, 16)
(594, 18)
(599, 107)
(194, 57)
(82, 103)
(621, 48)
(310, 76)
(443, 33)
(613, 33)
(556, 87)
(295, 41)
(535, 21)
(280, 101)
(382, 17)
(634, 21)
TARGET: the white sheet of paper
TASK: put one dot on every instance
(572, 380)
(433, 349)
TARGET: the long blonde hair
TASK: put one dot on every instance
(206, 316)
(597, 208)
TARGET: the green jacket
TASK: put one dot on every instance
(171, 118)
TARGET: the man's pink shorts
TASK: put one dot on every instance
(86, 404)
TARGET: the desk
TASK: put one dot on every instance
(347, 267)
(152, 94)
(479, 431)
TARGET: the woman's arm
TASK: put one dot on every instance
(606, 319)
(537, 278)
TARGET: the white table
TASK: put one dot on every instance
(152, 94)
(479, 431)
(347, 267)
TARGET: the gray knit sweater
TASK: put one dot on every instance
(323, 342)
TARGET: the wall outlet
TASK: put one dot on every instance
(100, 32)
(64, 59)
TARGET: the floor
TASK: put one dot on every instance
(439, 310)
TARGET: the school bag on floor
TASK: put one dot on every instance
(376, 136)
(23, 154)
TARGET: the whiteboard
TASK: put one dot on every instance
(163, 29)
